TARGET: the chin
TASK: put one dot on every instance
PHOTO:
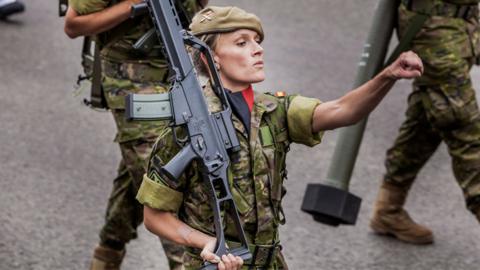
(254, 80)
(260, 77)
(258, 80)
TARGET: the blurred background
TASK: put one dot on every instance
(57, 158)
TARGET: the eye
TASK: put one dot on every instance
(241, 43)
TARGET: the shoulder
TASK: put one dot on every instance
(278, 101)
(83, 7)
(270, 100)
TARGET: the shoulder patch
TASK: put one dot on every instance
(280, 94)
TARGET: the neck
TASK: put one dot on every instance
(235, 86)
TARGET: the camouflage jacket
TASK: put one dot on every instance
(117, 43)
(256, 172)
(459, 36)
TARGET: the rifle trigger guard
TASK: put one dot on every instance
(179, 141)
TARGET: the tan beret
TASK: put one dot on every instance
(224, 19)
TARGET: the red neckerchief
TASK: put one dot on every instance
(248, 96)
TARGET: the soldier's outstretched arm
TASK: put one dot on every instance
(94, 23)
(358, 103)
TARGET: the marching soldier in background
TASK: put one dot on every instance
(442, 107)
(124, 70)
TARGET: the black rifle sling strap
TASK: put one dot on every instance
(97, 99)
(412, 30)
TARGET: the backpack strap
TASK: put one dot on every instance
(97, 98)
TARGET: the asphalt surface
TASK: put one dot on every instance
(57, 158)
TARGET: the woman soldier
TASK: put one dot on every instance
(265, 125)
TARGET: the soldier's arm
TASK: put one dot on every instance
(358, 103)
(166, 225)
(97, 22)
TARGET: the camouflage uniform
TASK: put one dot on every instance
(256, 176)
(442, 106)
(127, 71)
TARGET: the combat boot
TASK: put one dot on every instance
(390, 218)
(105, 258)
(10, 7)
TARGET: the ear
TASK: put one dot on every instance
(216, 59)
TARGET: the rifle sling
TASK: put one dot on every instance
(405, 43)
(97, 99)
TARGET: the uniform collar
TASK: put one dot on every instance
(265, 102)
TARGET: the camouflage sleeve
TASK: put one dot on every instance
(83, 7)
(156, 191)
(299, 119)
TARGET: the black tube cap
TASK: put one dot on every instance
(330, 205)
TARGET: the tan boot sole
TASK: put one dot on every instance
(381, 229)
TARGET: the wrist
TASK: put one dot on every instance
(388, 74)
(203, 240)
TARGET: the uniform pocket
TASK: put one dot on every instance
(450, 109)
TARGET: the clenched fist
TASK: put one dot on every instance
(407, 66)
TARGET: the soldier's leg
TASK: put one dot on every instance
(120, 226)
(136, 139)
(123, 214)
(415, 144)
(461, 132)
(464, 147)
(136, 154)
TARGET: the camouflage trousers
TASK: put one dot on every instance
(135, 138)
(442, 107)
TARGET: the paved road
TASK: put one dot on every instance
(57, 158)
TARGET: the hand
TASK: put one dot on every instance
(227, 262)
(408, 65)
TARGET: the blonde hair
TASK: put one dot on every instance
(200, 65)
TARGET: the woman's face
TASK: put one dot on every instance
(239, 57)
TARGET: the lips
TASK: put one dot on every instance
(258, 63)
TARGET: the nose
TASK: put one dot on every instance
(258, 50)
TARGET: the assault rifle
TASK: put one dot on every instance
(211, 136)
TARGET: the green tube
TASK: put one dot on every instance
(372, 62)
